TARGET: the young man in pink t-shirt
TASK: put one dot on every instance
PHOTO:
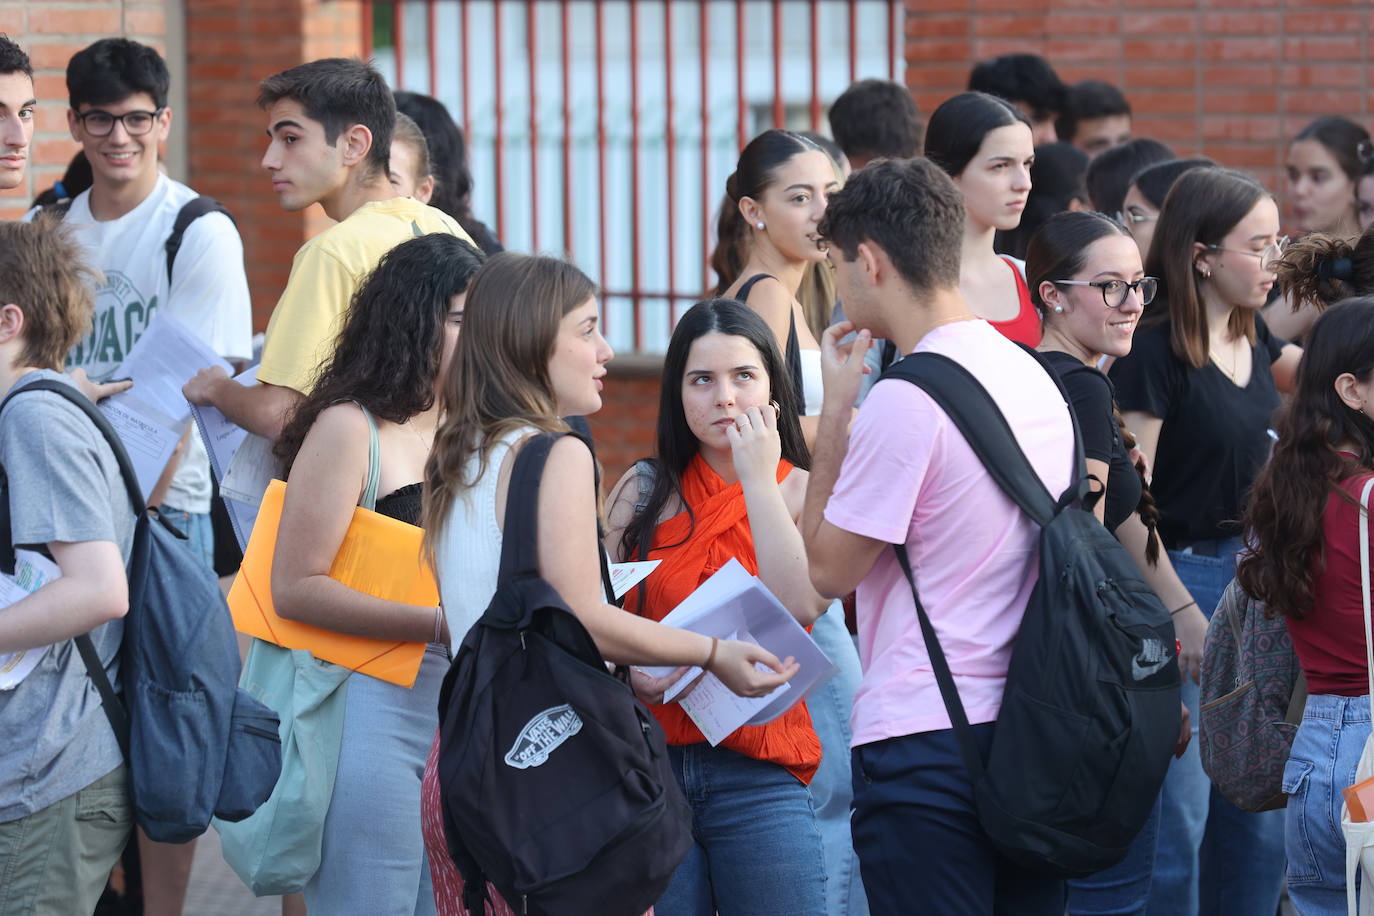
(905, 474)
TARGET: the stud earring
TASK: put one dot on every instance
(759, 224)
(1059, 309)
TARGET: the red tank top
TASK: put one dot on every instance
(1025, 327)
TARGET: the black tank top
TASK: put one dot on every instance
(403, 504)
(792, 351)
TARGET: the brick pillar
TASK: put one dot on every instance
(51, 31)
(230, 47)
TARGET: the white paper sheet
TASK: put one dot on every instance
(31, 572)
(735, 605)
(625, 576)
(223, 441)
(151, 416)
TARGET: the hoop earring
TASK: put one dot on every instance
(777, 409)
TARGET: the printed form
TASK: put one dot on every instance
(31, 572)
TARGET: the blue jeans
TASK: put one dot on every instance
(919, 840)
(1325, 754)
(1213, 858)
(1123, 889)
(373, 853)
(757, 850)
(831, 787)
(200, 534)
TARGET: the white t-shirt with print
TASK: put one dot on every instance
(208, 293)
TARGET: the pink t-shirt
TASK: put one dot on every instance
(910, 476)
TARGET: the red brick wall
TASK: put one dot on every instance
(51, 31)
(1231, 79)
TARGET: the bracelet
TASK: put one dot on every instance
(1177, 609)
(438, 622)
(715, 641)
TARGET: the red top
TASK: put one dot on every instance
(1025, 327)
(719, 527)
(1330, 639)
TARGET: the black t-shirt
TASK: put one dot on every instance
(1215, 436)
(1091, 394)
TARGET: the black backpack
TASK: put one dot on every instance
(197, 744)
(1090, 715)
(555, 779)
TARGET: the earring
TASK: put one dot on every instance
(759, 224)
(1059, 309)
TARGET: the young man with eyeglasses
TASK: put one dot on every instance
(17, 104)
(119, 115)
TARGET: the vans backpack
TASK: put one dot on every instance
(196, 744)
(555, 779)
(1090, 715)
(1250, 703)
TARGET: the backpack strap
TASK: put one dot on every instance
(191, 211)
(520, 534)
(977, 417)
(114, 708)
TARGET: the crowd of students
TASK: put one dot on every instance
(409, 359)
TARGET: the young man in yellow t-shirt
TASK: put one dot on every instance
(330, 124)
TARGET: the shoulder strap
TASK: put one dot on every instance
(977, 417)
(1364, 584)
(743, 294)
(115, 712)
(374, 461)
(188, 214)
(520, 535)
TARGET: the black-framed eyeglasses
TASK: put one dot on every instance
(1114, 292)
(99, 123)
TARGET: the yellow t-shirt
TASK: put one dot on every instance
(325, 273)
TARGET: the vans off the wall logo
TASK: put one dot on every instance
(542, 735)
(121, 316)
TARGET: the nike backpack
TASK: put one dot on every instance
(1090, 715)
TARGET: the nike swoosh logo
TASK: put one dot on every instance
(1140, 672)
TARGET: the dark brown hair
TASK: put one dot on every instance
(1320, 269)
(1283, 520)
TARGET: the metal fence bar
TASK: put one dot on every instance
(498, 82)
(398, 33)
(367, 29)
(532, 44)
(741, 109)
(601, 151)
(891, 39)
(815, 65)
(564, 56)
(853, 37)
(670, 140)
(431, 42)
(463, 52)
(636, 296)
(779, 109)
(704, 18)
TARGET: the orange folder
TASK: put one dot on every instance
(379, 556)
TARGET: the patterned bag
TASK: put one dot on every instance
(1252, 698)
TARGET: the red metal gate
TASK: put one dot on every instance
(605, 130)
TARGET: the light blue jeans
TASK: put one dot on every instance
(831, 788)
(1213, 858)
(373, 854)
(1326, 753)
(1123, 889)
(757, 851)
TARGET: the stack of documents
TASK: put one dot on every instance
(735, 605)
(242, 462)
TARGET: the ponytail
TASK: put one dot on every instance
(728, 258)
(1145, 508)
(1320, 270)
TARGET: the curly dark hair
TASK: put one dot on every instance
(1320, 269)
(1283, 521)
(387, 354)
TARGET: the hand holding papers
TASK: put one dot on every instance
(241, 462)
(31, 572)
(379, 556)
(151, 416)
(735, 605)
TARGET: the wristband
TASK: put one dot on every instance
(715, 641)
(438, 622)
(1177, 609)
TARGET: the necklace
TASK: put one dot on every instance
(1229, 373)
(410, 424)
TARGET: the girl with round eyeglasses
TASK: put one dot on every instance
(1198, 389)
(1086, 277)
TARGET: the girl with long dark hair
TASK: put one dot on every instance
(730, 461)
(1198, 390)
(379, 387)
(1086, 278)
(1303, 561)
(531, 354)
(985, 145)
